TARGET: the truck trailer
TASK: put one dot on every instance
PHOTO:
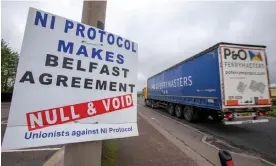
(229, 82)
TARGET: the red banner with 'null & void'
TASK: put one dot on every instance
(54, 116)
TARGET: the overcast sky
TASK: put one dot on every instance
(166, 31)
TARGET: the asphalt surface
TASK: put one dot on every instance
(34, 157)
(151, 148)
(257, 139)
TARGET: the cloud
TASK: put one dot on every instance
(166, 31)
(171, 31)
(14, 16)
(141, 77)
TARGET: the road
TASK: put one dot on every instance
(257, 139)
(26, 157)
(252, 138)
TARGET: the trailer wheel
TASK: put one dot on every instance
(152, 104)
(146, 102)
(171, 109)
(189, 114)
(179, 111)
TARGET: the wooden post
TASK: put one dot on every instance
(87, 153)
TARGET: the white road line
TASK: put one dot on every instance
(28, 150)
(206, 135)
(270, 117)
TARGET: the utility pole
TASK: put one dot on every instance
(93, 13)
(87, 153)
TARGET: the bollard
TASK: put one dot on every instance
(225, 158)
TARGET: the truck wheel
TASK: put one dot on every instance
(152, 104)
(171, 109)
(189, 114)
(179, 111)
(146, 102)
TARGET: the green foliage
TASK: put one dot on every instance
(140, 95)
(274, 101)
(9, 61)
(273, 112)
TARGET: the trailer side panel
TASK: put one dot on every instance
(195, 82)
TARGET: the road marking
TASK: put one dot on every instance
(205, 136)
(28, 150)
(270, 117)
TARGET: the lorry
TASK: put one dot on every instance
(227, 82)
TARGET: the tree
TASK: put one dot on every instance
(9, 61)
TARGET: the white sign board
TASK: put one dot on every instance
(74, 83)
(245, 76)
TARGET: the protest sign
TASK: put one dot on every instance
(74, 83)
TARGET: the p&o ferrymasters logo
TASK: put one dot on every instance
(241, 54)
(255, 56)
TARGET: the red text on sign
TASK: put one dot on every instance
(54, 116)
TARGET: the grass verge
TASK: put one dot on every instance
(109, 151)
(273, 112)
